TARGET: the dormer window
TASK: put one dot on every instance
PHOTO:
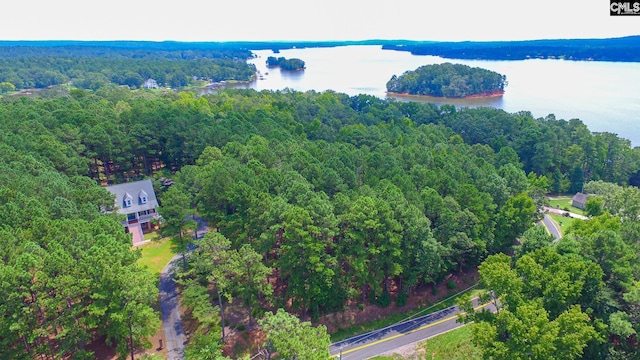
(143, 197)
(127, 200)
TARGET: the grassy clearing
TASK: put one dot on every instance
(564, 203)
(454, 345)
(157, 254)
(345, 333)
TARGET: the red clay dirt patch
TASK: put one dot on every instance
(102, 351)
(420, 298)
(251, 340)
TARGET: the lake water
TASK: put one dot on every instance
(604, 95)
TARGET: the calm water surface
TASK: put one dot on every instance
(604, 95)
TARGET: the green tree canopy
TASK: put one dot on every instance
(293, 339)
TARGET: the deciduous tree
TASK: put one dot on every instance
(293, 339)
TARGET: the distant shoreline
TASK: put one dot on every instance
(492, 94)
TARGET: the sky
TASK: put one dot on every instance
(264, 20)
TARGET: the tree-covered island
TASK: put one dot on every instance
(285, 64)
(448, 80)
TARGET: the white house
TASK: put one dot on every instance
(137, 201)
(150, 84)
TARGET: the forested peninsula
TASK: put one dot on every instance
(91, 65)
(448, 80)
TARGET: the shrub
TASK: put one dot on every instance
(401, 300)
(384, 300)
(450, 284)
(257, 312)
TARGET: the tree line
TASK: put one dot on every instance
(609, 49)
(91, 65)
(113, 135)
(94, 73)
(170, 50)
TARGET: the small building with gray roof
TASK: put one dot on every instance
(579, 200)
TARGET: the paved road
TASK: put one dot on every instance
(169, 302)
(551, 226)
(381, 341)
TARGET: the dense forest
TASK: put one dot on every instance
(448, 80)
(67, 274)
(285, 64)
(577, 299)
(338, 199)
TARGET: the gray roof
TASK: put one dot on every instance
(580, 197)
(134, 191)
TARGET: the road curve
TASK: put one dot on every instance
(551, 226)
(390, 338)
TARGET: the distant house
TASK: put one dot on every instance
(150, 84)
(579, 200)
(137, 201)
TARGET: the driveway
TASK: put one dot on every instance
(169, 301)
(562, 212)
(170, 307)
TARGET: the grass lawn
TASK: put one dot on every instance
(454, 345)
(156, 254)
(563, 222)
(564, 203)
(345, 333)
(152, 236)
